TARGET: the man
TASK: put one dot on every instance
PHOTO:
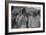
(21, 19)
(36, 21)
(30, 19)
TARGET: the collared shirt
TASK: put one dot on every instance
(34, 22)
(21, 20)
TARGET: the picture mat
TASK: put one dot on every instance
(25, 29)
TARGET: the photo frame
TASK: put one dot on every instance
(24, 17)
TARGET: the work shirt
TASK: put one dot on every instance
(34, 22)
(21, 20)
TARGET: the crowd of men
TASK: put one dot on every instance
(24, 17)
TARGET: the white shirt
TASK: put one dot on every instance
(21, 21)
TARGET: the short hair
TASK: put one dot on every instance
(38, 12)
(23, 10)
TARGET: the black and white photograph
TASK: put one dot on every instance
(25, 17)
